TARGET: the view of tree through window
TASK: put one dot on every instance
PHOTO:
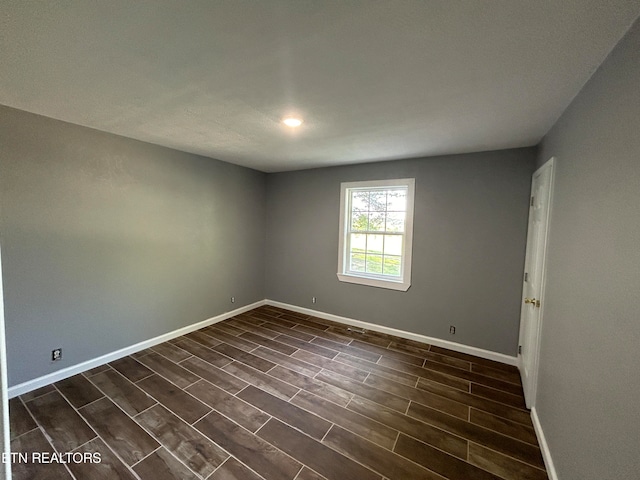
(376, 230)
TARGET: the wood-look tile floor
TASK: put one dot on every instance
(277, 395)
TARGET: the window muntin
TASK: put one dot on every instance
(375, 233)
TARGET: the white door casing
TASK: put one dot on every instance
(533, 297)
(5, 446)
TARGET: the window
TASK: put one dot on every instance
(376, 229)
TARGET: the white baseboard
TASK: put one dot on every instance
(56, 376)
(544, 447)
(123, 352)
(458, 347)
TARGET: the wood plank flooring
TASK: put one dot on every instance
(277, 395)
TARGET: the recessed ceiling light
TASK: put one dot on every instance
(292, 122)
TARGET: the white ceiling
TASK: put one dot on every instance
(373, 80)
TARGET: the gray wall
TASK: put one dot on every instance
(589, 381)
(468, 246)
(107, 241)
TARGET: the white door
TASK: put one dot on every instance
(534, 276)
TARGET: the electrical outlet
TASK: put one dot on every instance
(56, 354)
(452, 330)
(233, 299)
(313, 299)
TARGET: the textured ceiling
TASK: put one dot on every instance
(374, 80)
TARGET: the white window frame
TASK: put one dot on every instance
(404, 282)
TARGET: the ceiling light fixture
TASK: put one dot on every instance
(292, 122)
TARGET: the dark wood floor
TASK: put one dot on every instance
(276, 395)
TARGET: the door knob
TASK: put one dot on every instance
(532, 301)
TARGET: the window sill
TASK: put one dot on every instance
(374, 282)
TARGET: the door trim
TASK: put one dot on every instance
(530, 392)
(4, 393)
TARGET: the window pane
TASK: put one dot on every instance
(374, 263)
(359, 201)
(358, 242)
(391, 266)
(378, 201)
(376, 222)
(359, 221)
(357, 261)
(397, 200)
(395, 222)
(393, 245)
(374, 243)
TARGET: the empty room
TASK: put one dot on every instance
(320, 240)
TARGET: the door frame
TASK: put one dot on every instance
(5, 444)
(531, 389)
